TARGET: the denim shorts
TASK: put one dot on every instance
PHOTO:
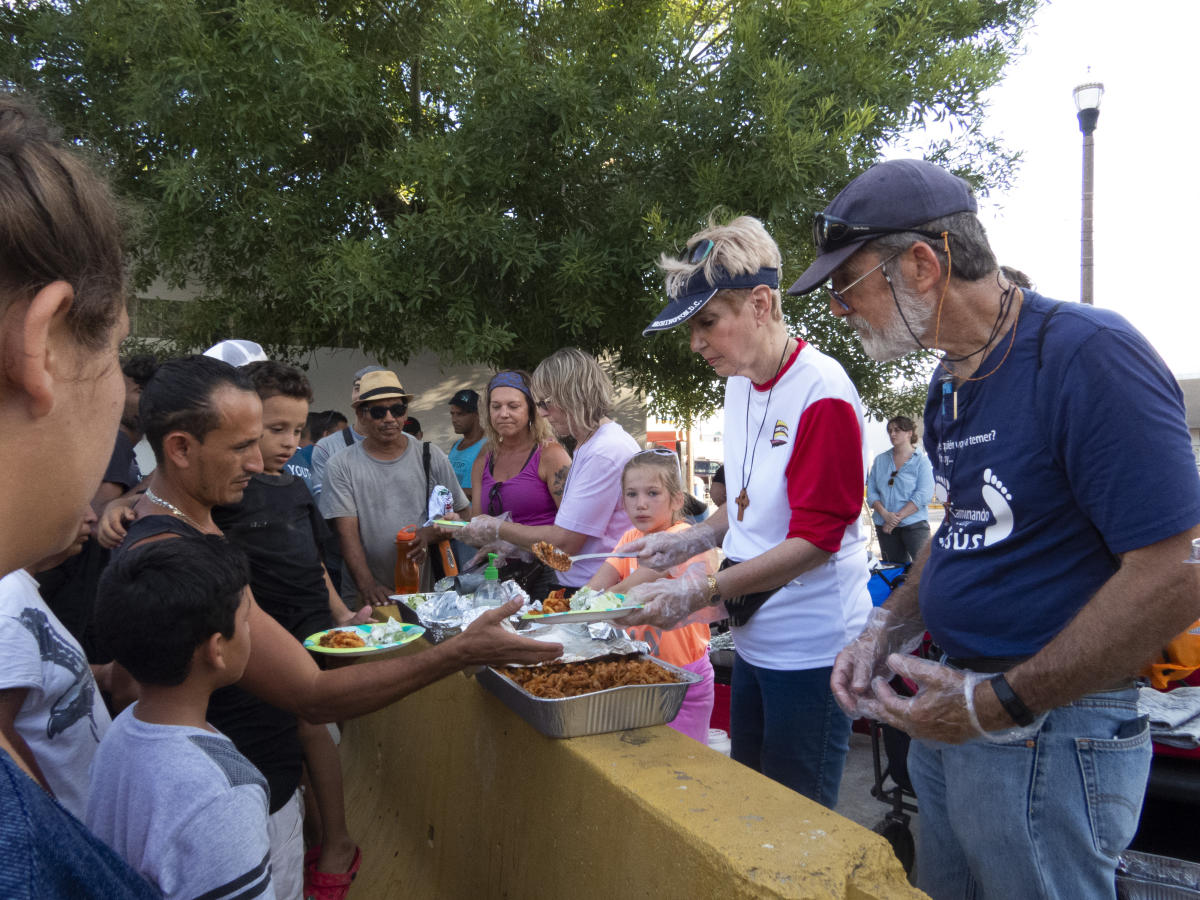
(1039, 818)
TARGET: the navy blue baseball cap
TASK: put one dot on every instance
(698, 290)
(894, 196)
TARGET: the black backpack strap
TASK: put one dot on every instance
(348, 436)
(425, 463)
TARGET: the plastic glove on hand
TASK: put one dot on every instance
(663, 549)
(944, 706)
(480, 530)
(667, 601)
(865, 658)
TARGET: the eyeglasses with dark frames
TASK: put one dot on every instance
(544, 404)
(398, 411)
(495, 501)
(892, 480)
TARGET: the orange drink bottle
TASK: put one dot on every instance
(408, 575)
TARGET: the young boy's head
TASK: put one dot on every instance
(285, 395)
(177, 608)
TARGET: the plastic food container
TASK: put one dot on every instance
(615, 709)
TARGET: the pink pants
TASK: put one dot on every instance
(694, 715)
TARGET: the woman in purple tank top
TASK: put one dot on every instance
(521, 471)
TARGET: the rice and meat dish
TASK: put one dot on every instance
(572, 679)
(341, 640)
(551, 556)
(556, 603)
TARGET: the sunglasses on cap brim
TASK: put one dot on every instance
(831, 233)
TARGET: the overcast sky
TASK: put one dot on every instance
(1146, 195)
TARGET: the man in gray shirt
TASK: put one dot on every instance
(379, 486)
(333, 444)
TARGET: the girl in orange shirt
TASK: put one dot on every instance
(653, 496)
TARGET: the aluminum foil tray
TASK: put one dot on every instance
(616, 709)
(1144, 876)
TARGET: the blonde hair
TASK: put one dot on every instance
(577, 385)
(666, 464)
(538, 426)
(740, 247)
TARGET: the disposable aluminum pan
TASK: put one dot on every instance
(1145, 876)
(616, 709)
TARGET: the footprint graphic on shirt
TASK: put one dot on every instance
(941, 488)
(996, 497)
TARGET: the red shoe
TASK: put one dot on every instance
(320, 885)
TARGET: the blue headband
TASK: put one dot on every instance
(509, 379)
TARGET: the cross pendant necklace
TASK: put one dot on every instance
(743, 499)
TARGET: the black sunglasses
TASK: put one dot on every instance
(832, 233)
(396, 409)
(893, 478)
(495, 501)
(700, 252)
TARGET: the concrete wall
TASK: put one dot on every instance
(451, 795)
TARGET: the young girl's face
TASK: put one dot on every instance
(648, 504)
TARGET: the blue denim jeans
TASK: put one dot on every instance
(1038, 818)
(786, 725)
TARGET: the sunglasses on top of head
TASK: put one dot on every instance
(831, 233)
(698, 253)
(398, 411)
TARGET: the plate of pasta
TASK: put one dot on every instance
(584, 606)
(362, 640)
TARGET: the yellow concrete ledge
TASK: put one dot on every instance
(451, 795)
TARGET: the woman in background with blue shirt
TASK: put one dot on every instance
(899, 489)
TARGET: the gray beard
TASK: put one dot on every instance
(892, 339)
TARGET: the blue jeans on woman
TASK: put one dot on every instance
(1038, 818)
(786, 725)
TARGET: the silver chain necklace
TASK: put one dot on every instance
(168, 505)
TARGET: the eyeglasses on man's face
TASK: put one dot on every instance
(398, 411)
(544, 404)
(840, 296)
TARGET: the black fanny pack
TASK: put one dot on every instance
(743, 606)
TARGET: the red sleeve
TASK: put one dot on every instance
(825, 474)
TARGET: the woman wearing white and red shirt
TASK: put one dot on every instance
(795, 581)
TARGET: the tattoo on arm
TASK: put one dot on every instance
(559, 481)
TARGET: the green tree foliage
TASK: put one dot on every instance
(493, 179)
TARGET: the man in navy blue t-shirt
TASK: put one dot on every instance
(1062, 457)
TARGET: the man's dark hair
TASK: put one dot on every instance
(179, 398)
(156, 604)
(322, 423)
(412, 426)
(140, 369)
(272, 378)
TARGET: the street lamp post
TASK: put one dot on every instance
(1087, 106)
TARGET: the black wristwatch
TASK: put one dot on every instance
(1013, 705)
